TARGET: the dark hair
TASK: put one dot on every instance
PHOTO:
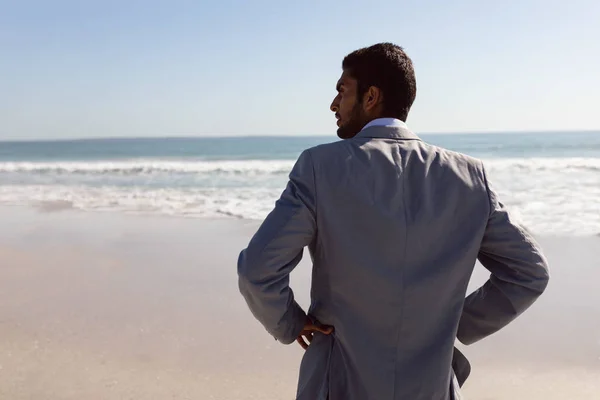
(388, 67)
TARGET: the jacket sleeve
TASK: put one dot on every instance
(519, 275)
(275, 250)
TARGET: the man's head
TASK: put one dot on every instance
(376, 82)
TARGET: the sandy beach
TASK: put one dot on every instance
(110, 306)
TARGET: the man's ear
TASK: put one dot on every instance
(372, 98)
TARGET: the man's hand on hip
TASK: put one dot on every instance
(310, 327)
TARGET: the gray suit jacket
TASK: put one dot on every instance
(394, 227)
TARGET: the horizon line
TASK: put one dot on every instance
(261, 136)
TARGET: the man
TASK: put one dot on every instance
(394, 227)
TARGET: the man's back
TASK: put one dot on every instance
(394, 227)
(400, 223)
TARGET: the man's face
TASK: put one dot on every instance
(348, 108)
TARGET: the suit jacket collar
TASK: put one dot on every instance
(387, 132)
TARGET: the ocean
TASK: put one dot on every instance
(550, 181)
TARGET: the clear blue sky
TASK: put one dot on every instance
(150, 68)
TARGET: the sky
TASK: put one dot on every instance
(82, 69)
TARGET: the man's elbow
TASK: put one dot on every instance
(247, 266)
(245, 274)
(251, 274)
(545, 280)
(531, 289)
(542, 278)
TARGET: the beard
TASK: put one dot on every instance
(353, 125)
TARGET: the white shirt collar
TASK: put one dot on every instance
(388, 122)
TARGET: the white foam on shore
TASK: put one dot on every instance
(199, 203)
(550, 195)
(148, 166)
(145, 167)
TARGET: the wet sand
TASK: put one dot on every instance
(106, 306)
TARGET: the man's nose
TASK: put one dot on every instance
(334, 107)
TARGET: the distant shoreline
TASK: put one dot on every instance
(41, 210)
(551, 180)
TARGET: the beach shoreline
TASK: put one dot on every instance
(113, 306)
